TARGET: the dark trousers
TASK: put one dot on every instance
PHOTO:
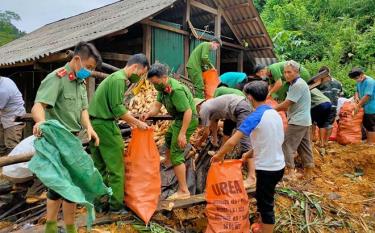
(265, 192)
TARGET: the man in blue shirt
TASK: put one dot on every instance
(265, 128)
(365, 97)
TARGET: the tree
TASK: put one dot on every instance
(8, 31)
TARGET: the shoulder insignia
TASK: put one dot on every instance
(61, 73)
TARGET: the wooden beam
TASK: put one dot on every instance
(218, 35)
(246, 20)
(57, 57)
(229, 60)
(147, 41)
(90, 86)
(203, 7)
(232, 45)
(233, 7)
(240, 61)
(116, 56)
(165, 27)
(255, 36)
(229, 23)
(186, 38)
(258, 49)
(118, 33)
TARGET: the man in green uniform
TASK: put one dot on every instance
(62, 96)
(105, 109)
(223, 90)
(276, 76)
(198, 62)
(178, 101)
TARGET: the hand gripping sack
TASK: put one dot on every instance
(227, 207)
(273, 103)
(350, 125)
(142, 175)
(211, 81)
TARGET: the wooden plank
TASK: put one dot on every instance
(229, 23)
(255, 36)
(203, 7)
(246, 20)
(218, 35)
(258, 49)
(165, 27)
(229, 60)
(236, 46)
(237, 6)
(147, 41)
(240, 61)
(90, 88)
(116, 56)
(186, 38)
(193, 200)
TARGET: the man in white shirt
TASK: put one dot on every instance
(11, 106)
(266, 131)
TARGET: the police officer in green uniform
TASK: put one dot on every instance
(105, 109)
(178, 101)
(198, 62)
(62, 96)
(223, 90)
(275, 73)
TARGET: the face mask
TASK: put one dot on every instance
(159, 86)
(83, 73)
(134, 78)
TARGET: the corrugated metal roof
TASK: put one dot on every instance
(87, 26)
(248, 26)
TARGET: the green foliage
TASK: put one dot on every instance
(337, 33)
(8, 31)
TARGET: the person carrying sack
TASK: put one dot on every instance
(105, 109)
(62, 96)
(178, 101)
(265, 128)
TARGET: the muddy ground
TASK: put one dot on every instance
(340, 198)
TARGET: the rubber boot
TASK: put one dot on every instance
(71, 228)
(51, 227)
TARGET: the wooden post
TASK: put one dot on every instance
(240, 62)
(218, 35)
(186, 18)
(147, 41)
(90, 88)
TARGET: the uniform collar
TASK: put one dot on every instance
(70, 73)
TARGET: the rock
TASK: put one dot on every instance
(334, 196)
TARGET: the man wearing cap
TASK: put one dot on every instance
(105, 109)
(331, 88)
(275, 73)
(178, 101)
(198, 62)
(365, 97)
(233, 109)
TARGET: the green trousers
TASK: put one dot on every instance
(108, 159)
(171, 140)
(195, 75)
